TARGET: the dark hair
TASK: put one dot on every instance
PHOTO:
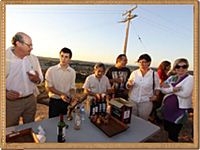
(119, 57)
(164, 64)
(99, 65)
(17, 37)
(144, 56)
(66, 50)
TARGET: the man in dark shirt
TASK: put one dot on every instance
(118, 76)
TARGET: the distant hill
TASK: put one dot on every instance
(82, 68)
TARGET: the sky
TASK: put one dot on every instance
(93, 32)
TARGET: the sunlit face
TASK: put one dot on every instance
(123, 61)
(99, 72)
(143, 64)
(64, 59)
(181, 68)
(25, 47)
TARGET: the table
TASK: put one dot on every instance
(139, 130)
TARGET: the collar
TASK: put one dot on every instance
(64, 69)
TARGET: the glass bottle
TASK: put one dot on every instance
(61, 130)
(77, 120)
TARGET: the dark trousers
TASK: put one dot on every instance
(57, 107)
(173, 130)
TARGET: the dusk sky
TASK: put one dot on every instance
(93, 33)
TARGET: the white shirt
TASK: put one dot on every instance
(96, 85)
(185, 94)
(61, 79)
(16, 73)
(143, 85)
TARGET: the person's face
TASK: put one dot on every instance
(143, 64)
(99, 72)
(123, 61)
(64, 58)
(25, 47)
(167, 68)
(181, 68)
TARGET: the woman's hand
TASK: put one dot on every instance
(177, 89)
(153, 98)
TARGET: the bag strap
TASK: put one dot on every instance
(153, 82)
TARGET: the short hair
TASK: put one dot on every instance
(66, 50)
(19, 36)
(119, 57)
(99, 65)
(144, 56)
(180, 60)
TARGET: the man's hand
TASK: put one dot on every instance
(65, 98)
(118, 80)
(12, 95)
(34, 77)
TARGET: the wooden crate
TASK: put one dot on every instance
(22, 136)
(113, 127)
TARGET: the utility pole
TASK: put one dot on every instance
(127, 20)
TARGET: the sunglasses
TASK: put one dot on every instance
(183, 66)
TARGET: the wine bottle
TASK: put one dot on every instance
(61, 129)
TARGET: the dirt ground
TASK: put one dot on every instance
(161, 136)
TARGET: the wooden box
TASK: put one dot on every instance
(113, 127)
(22, 136)
(121, 109)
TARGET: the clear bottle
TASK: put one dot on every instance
(82, 111)
(61, 130)
(77, 120)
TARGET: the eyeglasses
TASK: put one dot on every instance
(29, 45)
(181, 66)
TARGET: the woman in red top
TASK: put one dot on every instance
(163, 70)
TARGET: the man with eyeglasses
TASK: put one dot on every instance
(23, 73)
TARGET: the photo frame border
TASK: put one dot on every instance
(193, 145)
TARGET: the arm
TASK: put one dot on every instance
(62, 95)
(186, 87)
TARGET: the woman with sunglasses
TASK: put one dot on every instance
(178, 99)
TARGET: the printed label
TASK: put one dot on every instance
(126, 114)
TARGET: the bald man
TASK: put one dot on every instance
(23, 73)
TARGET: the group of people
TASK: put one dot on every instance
(146, 88)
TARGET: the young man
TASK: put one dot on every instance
(60, 83)
(23, 72)
(118, 76)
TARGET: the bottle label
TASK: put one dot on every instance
(126, 114)
(60, 131)
(78, 123)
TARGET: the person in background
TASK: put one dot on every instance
(178, 89)
(118, 76)
(60, 84)
(144, 87)
(97, 83)
(23, 73)
(163, 70)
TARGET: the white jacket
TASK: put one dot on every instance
(185, 94)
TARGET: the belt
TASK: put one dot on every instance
(24, 97)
